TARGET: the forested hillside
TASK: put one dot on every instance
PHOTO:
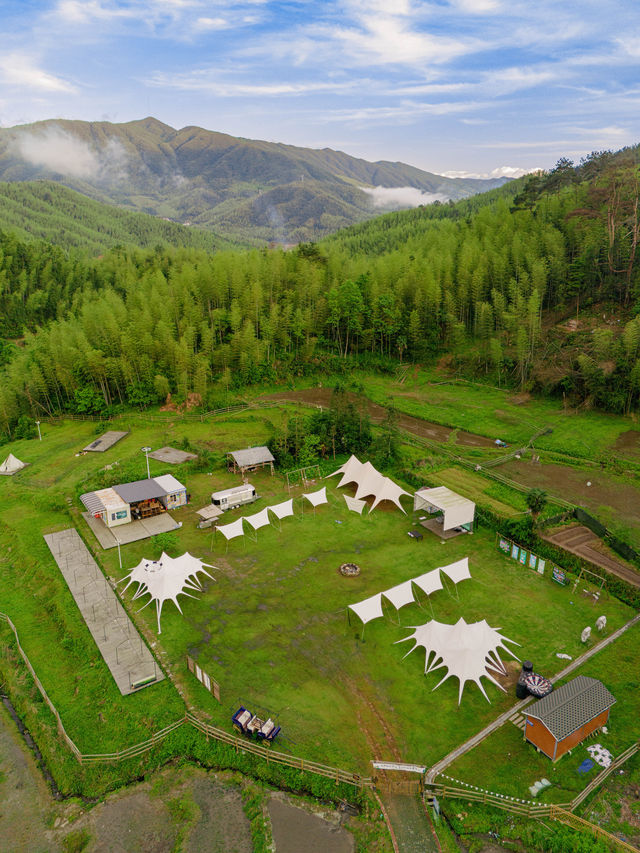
(538, 290)
(51, 212)
(248, 190)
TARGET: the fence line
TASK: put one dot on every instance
(579, 823)
(239, 743)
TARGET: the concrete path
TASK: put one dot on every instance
(115, 635)
(440, 766)
(134, 531)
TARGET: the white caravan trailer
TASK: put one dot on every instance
(230, 498)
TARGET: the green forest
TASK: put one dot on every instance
(489, 286)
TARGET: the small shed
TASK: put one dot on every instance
(244, 461)
(456, 510)
(107, 505)
(564, 718)
(176, 493)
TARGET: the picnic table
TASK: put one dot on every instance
(415, 534)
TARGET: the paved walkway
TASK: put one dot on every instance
(410, 824)
(116, 637)
(134, 531)
(440, 766)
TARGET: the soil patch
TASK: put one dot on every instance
(294, 830)
(581, 541)
(628, 442)
(377, 413)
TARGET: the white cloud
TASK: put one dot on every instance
(20, 69)
(201, 80)
(398, 197)
(59, 151)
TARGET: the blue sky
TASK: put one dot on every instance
(469, 86)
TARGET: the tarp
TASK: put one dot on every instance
(258, 519)
(11, 464)
(370, 608)
(282, 510)
(167, 578)
(458, 571)
(317, 498)
(429, 582)
(230, 531)
(468, 652)
(456, 509)
(400, 595)
(389, 491)
(354, 504)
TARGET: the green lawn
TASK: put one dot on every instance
(272, 628)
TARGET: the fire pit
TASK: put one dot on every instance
(349, 570)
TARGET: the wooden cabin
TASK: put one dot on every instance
(564, 718)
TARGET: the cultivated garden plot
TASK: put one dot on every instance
(273, 628)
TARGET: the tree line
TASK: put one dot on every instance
(474, 279)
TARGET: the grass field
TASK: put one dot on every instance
(272, 628)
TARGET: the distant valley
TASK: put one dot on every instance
(245, 190)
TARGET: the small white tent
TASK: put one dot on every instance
(283, 510)
(458, 571)
(230, 531)
(354, 504)
(11, 464)
(258, 519)
(429, 582)
(457, 511)
(400, 595)
(317, 498)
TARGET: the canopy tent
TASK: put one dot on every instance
(166, 579)
(349, 471)
(317, 498)
(458, 571)
(369, 483)
(400, 595)
(457, 511)
(468, 652)
(258, 519)
(354, 504)
(230, 531)
(429, 582)
(370, 608)
(11, 464)
(283, 510)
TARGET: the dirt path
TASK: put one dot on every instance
(410, 824)
(416, 426)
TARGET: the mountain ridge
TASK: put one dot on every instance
(214, 180)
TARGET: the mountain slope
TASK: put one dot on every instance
(48, 211)
(242, 188)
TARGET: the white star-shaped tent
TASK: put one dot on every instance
(165, 579)
(467, 651)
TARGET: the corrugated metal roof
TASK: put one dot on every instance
(93, 503)
(571, 706)
(252, 456)
(141, 490)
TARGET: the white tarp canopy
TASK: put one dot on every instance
(11, 464)
(456, 509)
(258, 519)
(354, 504)
(282, 510)
(167, 578)
(317, 498)
(458, 571)
(400, 595)
(230, 531)
(389, 491)
(468, 652)
(429, 582)
(370, 608)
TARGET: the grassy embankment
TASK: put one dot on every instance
(272, 628)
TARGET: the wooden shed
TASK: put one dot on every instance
(245, 461)
(564, 718)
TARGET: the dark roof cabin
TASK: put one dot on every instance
(564, 718)
(244, 461)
